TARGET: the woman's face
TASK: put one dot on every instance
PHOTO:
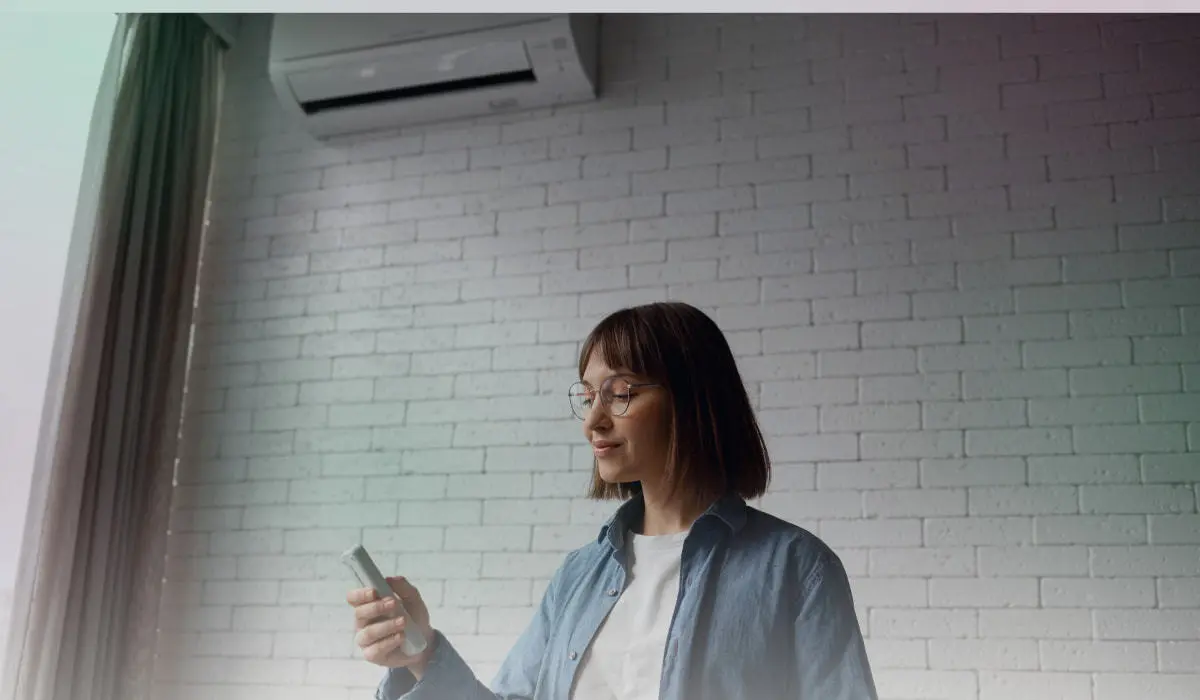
(633, 446)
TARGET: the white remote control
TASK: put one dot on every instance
(368, 575)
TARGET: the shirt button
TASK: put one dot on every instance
(612, 591)
(572, 656)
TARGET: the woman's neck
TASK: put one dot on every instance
(666, 517)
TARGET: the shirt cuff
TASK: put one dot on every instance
(445, 676)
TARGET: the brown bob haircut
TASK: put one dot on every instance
(716, 446)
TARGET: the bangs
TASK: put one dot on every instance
(625, 340)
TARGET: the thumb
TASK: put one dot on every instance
(403, 588)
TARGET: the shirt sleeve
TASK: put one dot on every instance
(832, 658)
(448, 677)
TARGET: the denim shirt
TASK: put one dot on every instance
(764, 612)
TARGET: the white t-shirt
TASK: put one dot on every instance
(624, 661)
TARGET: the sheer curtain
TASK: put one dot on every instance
(85, 608)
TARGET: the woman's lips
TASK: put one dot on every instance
(603, 449)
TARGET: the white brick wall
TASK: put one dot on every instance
(958, 259)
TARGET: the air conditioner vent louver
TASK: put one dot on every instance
(340, 74)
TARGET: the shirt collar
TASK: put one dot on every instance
(729, 509)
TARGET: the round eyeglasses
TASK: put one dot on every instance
(615, 393)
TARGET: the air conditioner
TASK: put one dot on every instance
(350, 73)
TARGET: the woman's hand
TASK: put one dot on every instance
(380, 636)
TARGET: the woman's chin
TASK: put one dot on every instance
(614, 472)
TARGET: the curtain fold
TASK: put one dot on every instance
(93, 570)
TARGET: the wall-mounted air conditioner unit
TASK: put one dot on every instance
(349, 73)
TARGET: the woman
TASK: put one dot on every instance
(687, 593)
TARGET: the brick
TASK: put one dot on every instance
(1075, 139)
(1178, 592)
(782, 340)
(610, 164)
(861, 257)
(1176, 104)
(1123, 380)
(875, 417)
(832, 363)
(1081, 166)
(1146, 625)
(1177, 686)
(1118, 59)
(826, 504)
(983, 593)
(924, 443)
(867, 474)
(989, 174)
(976, 530)
(1166, 408)
(924, 387)
(872, 533)
(780, 366)
(974, 248)
(957, 202)
(1155, 132)
(1087, 469)
(781, 264)
(673, 227)
(1174, 529)
(1000, 384)
(923, 623)
(1065, 241)
(1038, 624)
(859, 211)
(1169, 292)
(712, 154)
(890, 593)
(1022, 500)
(915, 503)
(1141, 499)
(1177, 657)
(1067, 655)
(998, 329)
(1115, 266)
(973, 414)
(1080, 411)
(926, 561)
(862, 308)
(1066, 115)
(1124, 323)
(1124, 439)
(964, 100)
(1081, 39)
(994, 685)
(1154, 560)
(978, 654)
(1090, 529)
(911, 333)
(911, 131)
(974, 471)
(790, 194)
(813, 286)
(858, 162)
(1164, 468)
(824, 447)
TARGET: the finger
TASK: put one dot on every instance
(374, 610)
(374, 633)
(358, 596)
(383, 649)
(404, 588)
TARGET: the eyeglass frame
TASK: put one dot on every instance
(608, 382)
